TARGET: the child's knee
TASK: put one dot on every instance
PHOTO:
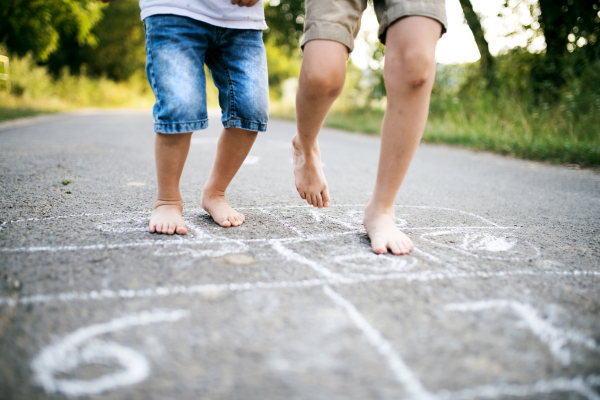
(326, 82)
(411, 68)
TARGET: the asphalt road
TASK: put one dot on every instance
(499, 299)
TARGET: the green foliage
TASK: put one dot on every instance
(36, 26)
(65, 182)
(285, 19)
(281, 66)
(523, 117)
(34, 89)
(119, 51)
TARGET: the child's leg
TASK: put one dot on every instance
(409, 74)
(234, 145)
(321, 81)
(170, 150)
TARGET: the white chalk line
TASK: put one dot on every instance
(336, 279)
(251, 160)
(80, 348)
(391, 264)
(402, 373)
(199, 210)
(459, 230)
(180, 240)
(578, 385)
(555, 338)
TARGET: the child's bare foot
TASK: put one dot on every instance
(216, 205)
(308, 173)
(382, 230)
(166, 218)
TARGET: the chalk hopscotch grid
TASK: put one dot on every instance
(328, 277)
(403, 374)
(204, 239)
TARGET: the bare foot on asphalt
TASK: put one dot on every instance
(216, 205)
(383, 232)
(166, 218)
(308, 173)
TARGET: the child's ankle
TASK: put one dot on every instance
(167, 202)
(379, 208)
(305, 146)
(208, 192)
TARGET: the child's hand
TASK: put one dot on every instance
(241, 3)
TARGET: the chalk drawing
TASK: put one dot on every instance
(205, 140)
(580, 385)
(402, 373)
(116, 225)
(487, 242)
(483, 244)
(333, 279)
(555, 338)
(251, 160)
(279, 144)
(80, 348)
(376, 262)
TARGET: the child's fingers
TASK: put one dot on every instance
(244, 3)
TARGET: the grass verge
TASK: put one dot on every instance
(489, 133)
(7, 114)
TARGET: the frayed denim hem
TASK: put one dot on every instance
(180, 127)
(244, 124)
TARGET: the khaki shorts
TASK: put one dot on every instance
(339, 20)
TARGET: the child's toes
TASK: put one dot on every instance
(152, 228)
(319, 201)
(396, 248)
(326, 198)
(181, 229)
(225, 223)
(378, 246)
(171, 228)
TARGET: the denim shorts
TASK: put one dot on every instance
(177, 49)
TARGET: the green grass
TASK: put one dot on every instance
(7, 114)
(490, 132)
(542, 139)
(360, 120)
(557, 149)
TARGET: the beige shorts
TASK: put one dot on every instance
(339, 20)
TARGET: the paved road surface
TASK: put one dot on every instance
(499, 299)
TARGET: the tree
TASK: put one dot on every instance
(119, 52)
(36, 26)
(285, 19)
(568, 24)
(486, 62)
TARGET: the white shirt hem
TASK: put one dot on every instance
(233, 24)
